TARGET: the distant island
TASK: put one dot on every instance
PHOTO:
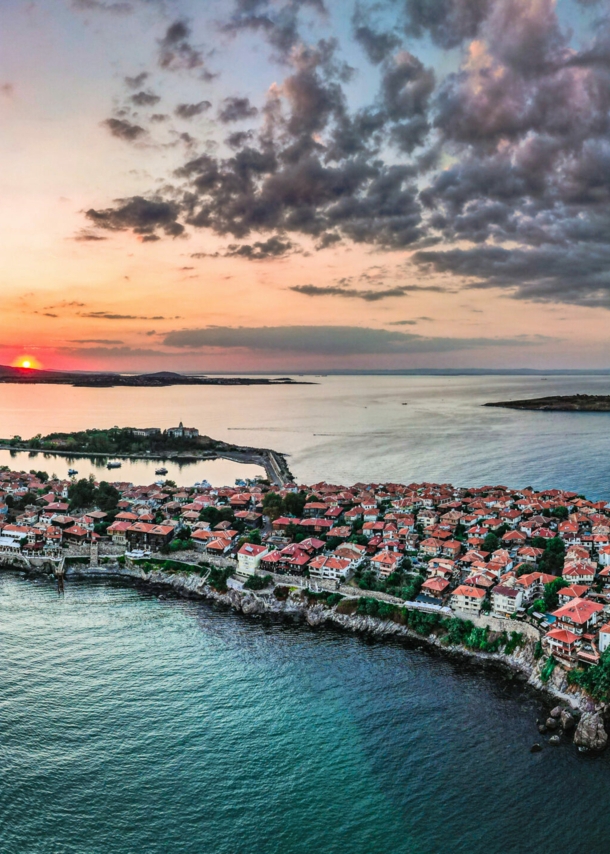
(560, 403)
(159, 379)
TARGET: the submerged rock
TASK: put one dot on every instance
(542, 728)
(551, 723)
(536, 748)
(554, 740)
(590, 732)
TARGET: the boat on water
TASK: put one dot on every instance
(113, 464)
(162, 470)
(72, 472)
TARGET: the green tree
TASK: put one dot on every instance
(254, 537)
(552, 560)
(81, 493)
(294, 503)
(273, 505)
(491, 542)
(107, 497)
(258, 582)
(551, 593)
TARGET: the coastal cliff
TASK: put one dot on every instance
(521, 661)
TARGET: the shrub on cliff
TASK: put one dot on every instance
(368, 607)
(257, 582)
(547, 669)
(421, 622)
(218, 578)
(456, 630)
(595, 680)
(347, 606)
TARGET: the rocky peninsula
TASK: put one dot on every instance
(559, 403)
(183, 445)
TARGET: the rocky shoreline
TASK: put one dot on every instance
(575, 712)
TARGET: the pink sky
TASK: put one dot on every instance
(121, 300)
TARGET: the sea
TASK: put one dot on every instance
(133, 721)
(342, 429)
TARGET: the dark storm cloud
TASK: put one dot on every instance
(335, 291)
(447, 22)
(278, 23)
(137, 81)
(145, 99)
(107, 315)
(509, 155)
(189, 111)
(124, 130)
(106, 341)
(236, 109)
(177, 53)
(578, 274)
(368, 294)
(239, 138)
(144, 216)
(377, 45)
(274, 247)
(84, 236)
(329, 340)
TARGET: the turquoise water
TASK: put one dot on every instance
(134, 724)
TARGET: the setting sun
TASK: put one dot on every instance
(26, 362)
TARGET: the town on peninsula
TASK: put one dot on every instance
(514, 576)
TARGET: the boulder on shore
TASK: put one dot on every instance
(551, 723)
(590, 732)
(556, 712)
(567, 720)
(316, 616)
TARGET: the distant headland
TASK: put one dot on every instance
(560, 403)
(10, 374)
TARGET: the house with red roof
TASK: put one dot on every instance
(466, 599)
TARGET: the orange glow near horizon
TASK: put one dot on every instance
(26, 362)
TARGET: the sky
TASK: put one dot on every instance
(294, 185)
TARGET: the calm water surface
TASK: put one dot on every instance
(345, 429)
(129, 724)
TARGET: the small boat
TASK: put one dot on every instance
(114, 464)
(162, 470)
(72, 472)
(239, 482)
